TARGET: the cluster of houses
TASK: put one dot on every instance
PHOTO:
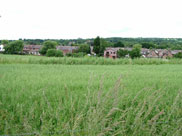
(146, 53)
(109, 52)
(34, 49)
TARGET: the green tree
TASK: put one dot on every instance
(178, 55)
(119, 44)
(148, 45)
(85, 48)
(59, 53)
(48, 45)
(14, 47)
(135, 53)
(122, 53)
(99, 46)
(51, 53)
(103, 45)
(54, 53)
(96, 47)
(4, 42)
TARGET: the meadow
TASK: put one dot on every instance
(30, 59)
(55, 99)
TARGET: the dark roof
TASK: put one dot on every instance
(67, 47)
(33, 46)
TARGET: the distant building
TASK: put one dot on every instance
(67, 49)
(2, 48)
(32, 49)
(111, 52)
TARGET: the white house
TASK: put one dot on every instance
(1, 48)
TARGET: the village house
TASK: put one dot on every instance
(173, 52)
(32, 49)
(67, 49)
(2, 48)
(111, 52)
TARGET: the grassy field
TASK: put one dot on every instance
(90, 99)
(24, 59)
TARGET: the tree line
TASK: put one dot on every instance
(158, 43)
(99, 45)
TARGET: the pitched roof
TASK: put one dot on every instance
(33, 46)
(67, 47)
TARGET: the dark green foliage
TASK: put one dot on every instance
(76, 55)
(122, 53)
(14, 47)
(69, 54)
(85, 48)
(96, 47)
(99, 46)
(159, 43)
(119, 44)
(48, 45)
(178, 55)
(135, 53)
(59, 53)
(54, 53)
(51, 52)
(4, 42)
(80, 54)
(148, 45)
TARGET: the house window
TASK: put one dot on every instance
(113, 52)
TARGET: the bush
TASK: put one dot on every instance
(80, 54)
(51, 52)
(14, 47)
(46, 46)
(178, 55)
(69, 54)
(84, 48)
(54, 53)
(122, 53)
(59, 53)
(135, 53)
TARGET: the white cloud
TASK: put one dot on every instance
(89, 18)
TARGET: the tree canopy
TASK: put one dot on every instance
(99, 46)
(14, 47)
(48, 45)
(119, 44)
(135, 53)
(85, 48)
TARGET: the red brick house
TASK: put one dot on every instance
(32, 49)
(67, 49)
(111, 52)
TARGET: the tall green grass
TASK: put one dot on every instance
(22, 59)
(90, 100)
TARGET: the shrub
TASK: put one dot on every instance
(59, 53)
(84, 48)
(14, 47)
(135, 53)
(48, 45)
(80, 54)
(178, 55)
(51, 52)
(122, 53)
(69, 54)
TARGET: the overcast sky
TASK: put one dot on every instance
(67, 19)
